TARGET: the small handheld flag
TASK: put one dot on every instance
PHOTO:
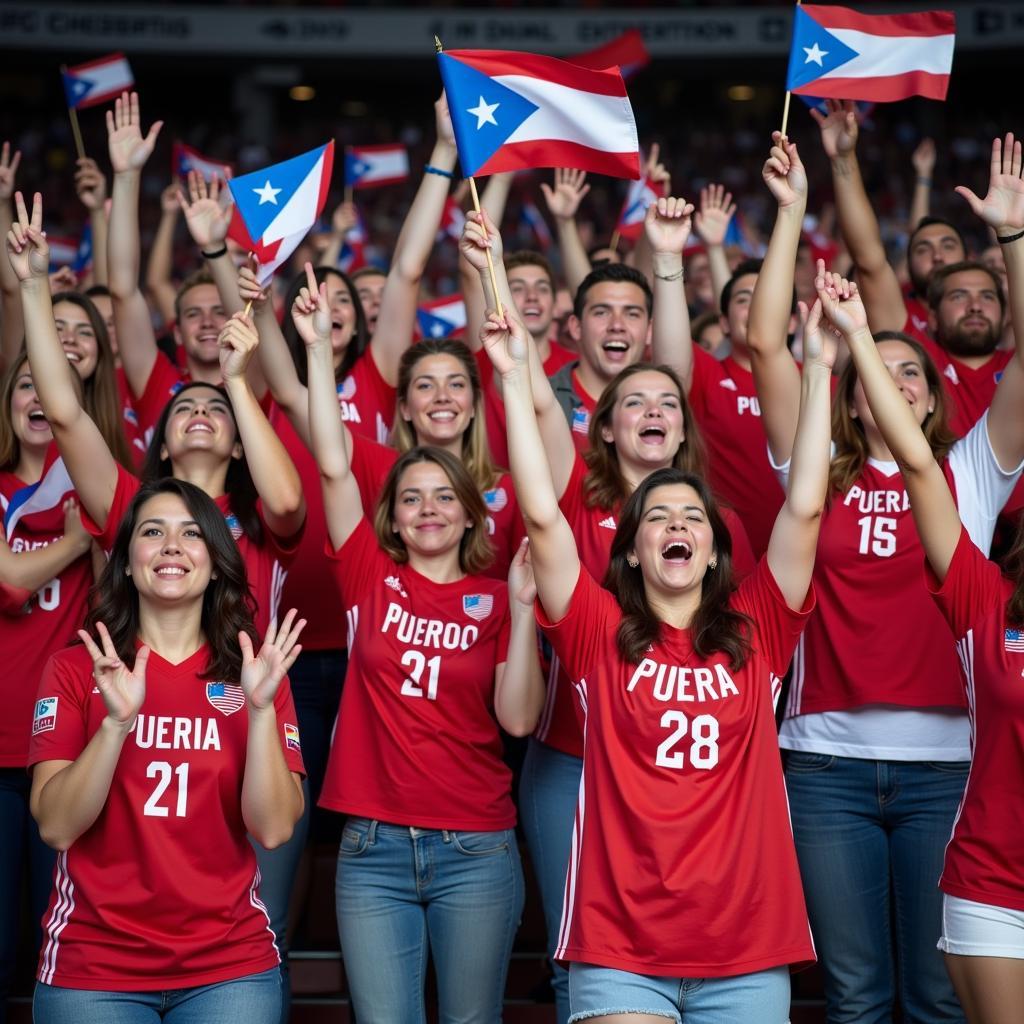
(442, 318)
(640, 195)
(275, 207)
(534, 220)
(366, 166)
(185, 158)
(86, 85)
(627, 52)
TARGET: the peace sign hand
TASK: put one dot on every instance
(123, 691)
(262, 674)
(27, 247)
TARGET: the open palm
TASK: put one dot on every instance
(129, 148)
(262, 673)
(1003, 205)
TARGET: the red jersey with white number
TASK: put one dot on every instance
(985, 857)
(367, 400)
(266, 562)
(416, 741)
(683, 862)
(560, 725)
(34, 626)
(725, 403)
(162, 891)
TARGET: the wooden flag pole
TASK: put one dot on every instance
(248, 305)
(348, 193)
(785, 105)
(75, 130)
(614, 243)
(476, 206)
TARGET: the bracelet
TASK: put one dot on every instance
(430, 169)
(1011, 238)
(677, 276)
(924, 181)
(222, 251)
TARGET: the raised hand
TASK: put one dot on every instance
(840, 301)
(505, 340)
(716, 210)
(478, 235)
(249, 288)
(443, 121)
(1003, 206)
(839, 127)
(129, 149)
(923, 159)
(262, 673)
(820, 343)
(74, 528)
(656, 171)
(344, 219)
(90, 184)
(123, 691)
(667, 225)
(8, 170)
(784, 173)
(63, 280)
(564, 199)
(207, 210)
(522, 587)
(169, 198)
(27, 247)
(237, 341)
(311, 312)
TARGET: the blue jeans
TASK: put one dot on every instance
(26, 865)
(548, 789)
(871, 836)
(254, 999)
(763, 996)
(403, 892)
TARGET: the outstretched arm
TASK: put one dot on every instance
(712, 225)
(12, 325)
(667, 228)
(563, 201)
(923, 159)
(91, 187)
(208, 216)
(161, 255)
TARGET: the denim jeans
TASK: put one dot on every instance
(403, 892)
(26, 865)
(871, 836)
(254, 999)
(548, 790)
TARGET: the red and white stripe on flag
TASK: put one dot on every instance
(97, 81)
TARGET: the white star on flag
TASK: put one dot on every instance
(814, 54)
(484, 113)
(267, 194)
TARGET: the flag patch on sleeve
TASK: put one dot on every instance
(44, 719)
(291, 737)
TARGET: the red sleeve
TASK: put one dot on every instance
(707, 372)
(581, 635)
(358, 563)
(571, 499)
(59, 719)
(972, 589)
(777, 627)
(284, 549)
(125, 489)
(371, 463)
(288, 727)
(743, 560)
(164, 380)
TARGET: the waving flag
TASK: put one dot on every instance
(512, 111)
(47, 494)
(627, 52)
(841, 54)
(100, 80)
(366, 166)
(276, 207)
(640, 195)
(66, 251)
(185, 158)
(442, 318)
(533, 219)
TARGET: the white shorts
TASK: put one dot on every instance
(979, 929)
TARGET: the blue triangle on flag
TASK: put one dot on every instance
(815, 51)
(355, 168)
(433, 326)
(261, 195)
(75, 89)
(484, 112)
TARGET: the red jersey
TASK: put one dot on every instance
(31, 631)
(682, 862)
(367, 400)
(726, 406)
(266, 562)
(985, 857)
(581, 416)
(129, 417)
(164, 382)
(416, 741)
(161, 891)
(594, 528)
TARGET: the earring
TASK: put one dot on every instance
(713, 564)
(128, 572)
(632, 562)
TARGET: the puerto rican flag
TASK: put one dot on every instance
(353, 247)
(533, 219)
(640, 195)
(627, 52)
(276, 206)
(47, 494)
(513, 111)
(185, 158)
(97, 81)
(366, 166)
(442, 318)
(66, 251)
(842, 54)
(453, 220)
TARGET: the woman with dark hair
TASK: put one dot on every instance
(439, 656)
(683, 885)
(876, 732)
(146, 780)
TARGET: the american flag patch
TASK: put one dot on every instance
(225, 697)
(291, 737)
(477, 606)
(580, 420)
(1013, 640)
(347, 388)
(233, 525)
(495, 500)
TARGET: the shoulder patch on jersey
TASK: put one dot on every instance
(227, 698)
(1013, 640)
(44, 718)
(609, 523)
(580, 419)
(395, 584)
(291, 737)
(728, 383)
(496, 499)
(347, 388)
(234, 525)
(477, 606)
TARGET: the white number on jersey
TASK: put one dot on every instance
(48, 596)
(877, 535)
(703, 731)
(416, 663)
(153, 809)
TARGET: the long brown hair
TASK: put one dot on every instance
(100, 397)
(476, 452)
(848, 432)
(604, 485)
(475, 550)
(716, 627)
